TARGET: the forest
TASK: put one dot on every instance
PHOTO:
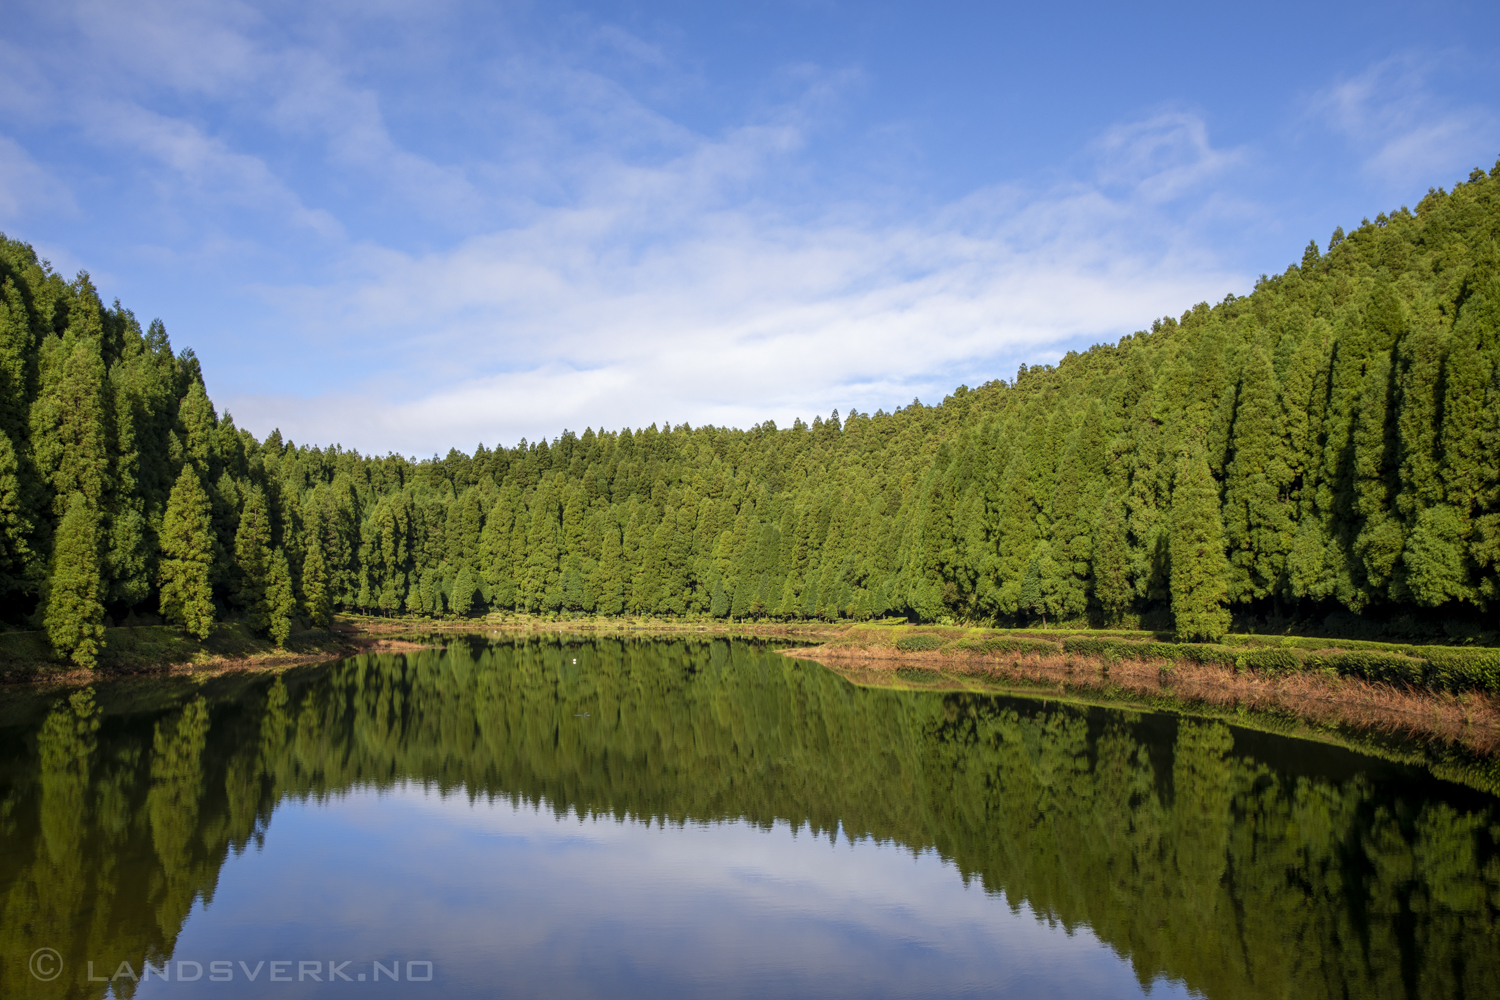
(1203, 856)
(1321, 449)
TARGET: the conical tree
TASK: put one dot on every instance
(1112, 586)
(15, 524)
(252, 556)
(187, 547)
(1257, 513)
(315, 599)
(718, 604)
(69, 420)
(71, 611)
(1200, 572)
(461, 601)
(281, 602)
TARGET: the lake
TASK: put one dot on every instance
(636, 818)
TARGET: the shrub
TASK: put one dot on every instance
(1463, 669)
(920, 641)
(1269, 661)
(1204, 654)
(1089, 646)
(1002, 644)
(1389, 667)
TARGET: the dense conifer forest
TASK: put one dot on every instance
(1324, 446)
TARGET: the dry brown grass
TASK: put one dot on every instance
(1470, 720)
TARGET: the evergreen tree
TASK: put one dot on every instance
(252, 557)
(187, 551)
(1257, 511)
(1200, 584)
(1112, 560)
(461, 601)
(280, 601)
(15, 524)
(69, 420)
(71, 609)
(315, 597)
(1311, 256)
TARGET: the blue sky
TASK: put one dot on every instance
(411, 227)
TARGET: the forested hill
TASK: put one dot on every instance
(1329, 442)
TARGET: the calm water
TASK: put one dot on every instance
(709, 819)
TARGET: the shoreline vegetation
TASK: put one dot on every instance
(1435, 706)
(1230, 681)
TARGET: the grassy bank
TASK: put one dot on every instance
(610, 625)
(1468, 756)
(1441, 694)
(1455, 669)
(27, 656)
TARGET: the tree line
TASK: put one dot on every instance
(1194, 850)
(1326, 442)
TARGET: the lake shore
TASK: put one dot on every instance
(1469, 721)
(27, 659)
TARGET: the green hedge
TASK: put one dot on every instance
(1005, 644)
(1459, 669)
(918, 642)
(1269, 661)
(1122, 649)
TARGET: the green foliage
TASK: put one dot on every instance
(1269, 661)
(316, 602)
(15, 523)
(461, 601)
(252, 557)
(280, 601)
(187, 553)
(918, 642)
(71, 610)
(1199, 568)
(1373, 666)
(999, 645)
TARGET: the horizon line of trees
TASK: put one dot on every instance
(1331, 440)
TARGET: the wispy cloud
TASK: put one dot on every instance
(26, 188)
(655, 297)
(588, 258)
(1162, 157)
(1404, 130)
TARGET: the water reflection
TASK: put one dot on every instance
(1173, 843)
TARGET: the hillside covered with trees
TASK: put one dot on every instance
(1328, 444)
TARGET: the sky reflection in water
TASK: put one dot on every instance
(517, 901)
(620, 818)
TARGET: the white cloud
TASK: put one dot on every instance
(659, 298)
(1406, 133)
(27, 188)
(1162, 157)
(612, 265)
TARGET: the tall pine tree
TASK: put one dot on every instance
(72, 612)
(187, 547)
(1200, 585)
